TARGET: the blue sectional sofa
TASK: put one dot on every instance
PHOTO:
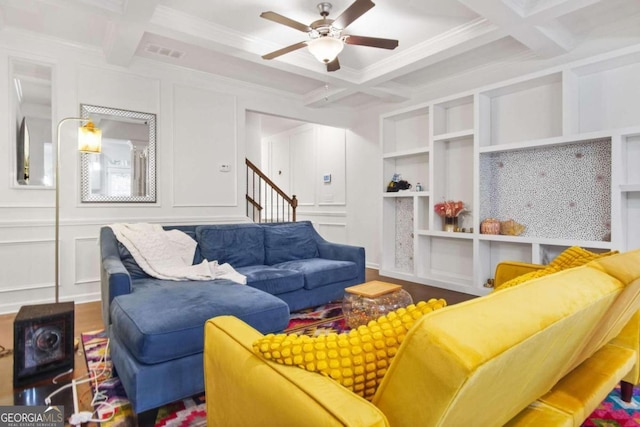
(156, 326)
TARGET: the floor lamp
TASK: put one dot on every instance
(89, 141)
(43, 334)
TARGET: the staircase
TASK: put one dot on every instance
(266, 202)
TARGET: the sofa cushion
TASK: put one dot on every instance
(238, 244)
(320, 272)
(163, 320)
(272, 280)
(290, 241)
(357, 359)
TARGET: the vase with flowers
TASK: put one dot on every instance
(449, 211)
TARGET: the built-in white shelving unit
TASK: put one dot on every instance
(557, 151)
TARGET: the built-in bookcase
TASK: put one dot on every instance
(557, 151)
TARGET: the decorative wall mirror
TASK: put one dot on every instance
(31, 101)
(125, 170)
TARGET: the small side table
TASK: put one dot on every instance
(362, 303)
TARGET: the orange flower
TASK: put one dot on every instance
(449, 208)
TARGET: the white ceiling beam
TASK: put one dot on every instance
(323, 96)
(546, 42)
(556, 31)
(390, 92)
(124, 34)
(551, 9)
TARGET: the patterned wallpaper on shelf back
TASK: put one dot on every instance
(404, 234)
(561, 192)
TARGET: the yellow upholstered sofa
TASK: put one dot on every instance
(543, 353)
(629, 337)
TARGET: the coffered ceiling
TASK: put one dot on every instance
(439, 40)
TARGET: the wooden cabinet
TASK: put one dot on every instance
(557, 151)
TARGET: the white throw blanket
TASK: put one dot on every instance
(168, 254)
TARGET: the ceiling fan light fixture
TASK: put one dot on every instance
(326, 48)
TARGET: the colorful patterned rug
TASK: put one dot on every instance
(612, 412)
(318, 321)
(188, 412)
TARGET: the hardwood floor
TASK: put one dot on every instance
(88, 318)
(421, 292)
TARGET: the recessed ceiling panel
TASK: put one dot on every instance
(598, 15)
(497, 52)
(199, 58)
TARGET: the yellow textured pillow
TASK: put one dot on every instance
(574, 256)
(523, 278)
(357, 359)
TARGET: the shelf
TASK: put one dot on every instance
(526, 110)
(448, 234)
(452, 136)
(629, 188)
(545, 142)
(546, 241)
(607, 93)
(555, 150)
(406, 194)
(406, 153)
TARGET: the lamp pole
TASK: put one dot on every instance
(57, 223)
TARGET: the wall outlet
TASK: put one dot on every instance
(225, 167)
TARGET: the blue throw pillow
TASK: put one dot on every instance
(130, 264)
(240, 245)
(289, 242)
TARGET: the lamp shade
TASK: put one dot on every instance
(325, 48)
(89, 138)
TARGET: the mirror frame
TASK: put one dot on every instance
(85, 187)
(18, 168)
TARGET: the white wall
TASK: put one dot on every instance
(202, 123)
(298, 160)
(363, 174)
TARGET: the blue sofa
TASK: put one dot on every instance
(156, 326)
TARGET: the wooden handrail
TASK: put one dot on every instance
(253, 202)
(272, 184)
(273, 187)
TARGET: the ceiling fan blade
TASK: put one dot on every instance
(333, 65)
(372, 42)
(276, 17)
(353, 12)
(284, 50)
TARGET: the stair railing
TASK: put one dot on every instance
(266, 202)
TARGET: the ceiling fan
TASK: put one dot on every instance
(326, 37)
